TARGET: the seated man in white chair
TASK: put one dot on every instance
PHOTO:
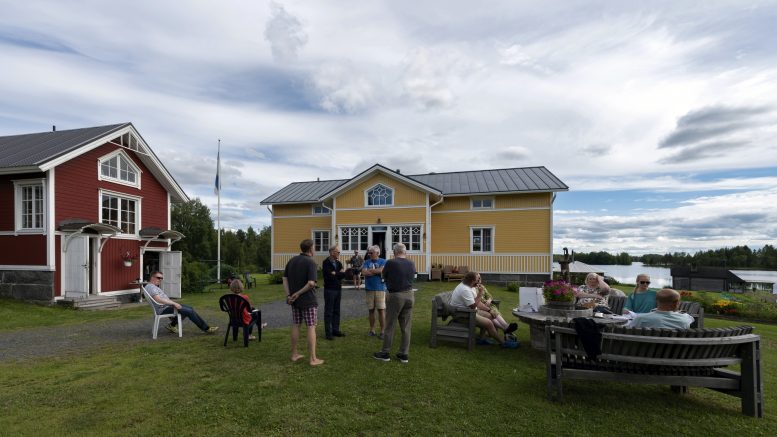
(156, 293)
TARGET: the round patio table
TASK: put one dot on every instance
(538, 321)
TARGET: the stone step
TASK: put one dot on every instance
(91, 303)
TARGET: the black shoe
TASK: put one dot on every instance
(512, 327)
(339, 334)
(403, 358)
(329, 337)
(383, 356)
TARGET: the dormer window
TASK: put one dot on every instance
(119, 168)
(380, 195)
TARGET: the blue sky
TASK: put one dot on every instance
(661, 116)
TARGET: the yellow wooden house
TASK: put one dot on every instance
(497, 222)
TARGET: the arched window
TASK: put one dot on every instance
(380, 195)
(118, 167)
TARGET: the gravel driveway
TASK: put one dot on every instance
(51, 341)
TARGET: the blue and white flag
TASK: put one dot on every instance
(217, 188)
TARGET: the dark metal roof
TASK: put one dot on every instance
(509, 180)
(506, 180)
(36, 149)
(303, 192)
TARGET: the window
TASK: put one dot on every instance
(482, 239)
(321, 240)
(121, 212)
(118, 167)
(30, 205)
(320, 209)
(129, 141)
(410, 236)
(482, 202)
(380, 195)
(353, 238)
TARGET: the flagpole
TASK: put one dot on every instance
(218, 214)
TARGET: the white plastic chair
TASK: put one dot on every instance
(157, 317)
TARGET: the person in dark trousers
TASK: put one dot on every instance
(299, 283)
(333, 275)
(399, 273)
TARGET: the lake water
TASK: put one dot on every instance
(659, 276)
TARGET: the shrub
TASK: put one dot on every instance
(275, 277)
(513, 286)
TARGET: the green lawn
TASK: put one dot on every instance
(198, 387)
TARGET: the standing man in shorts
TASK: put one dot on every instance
(299, 283)
(374, 288)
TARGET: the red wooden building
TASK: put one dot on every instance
(74, 204)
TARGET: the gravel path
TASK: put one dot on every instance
(52, 341)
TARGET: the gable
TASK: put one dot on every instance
(403, 194)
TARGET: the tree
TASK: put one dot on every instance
(192, 219)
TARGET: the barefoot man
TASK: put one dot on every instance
(299, 283)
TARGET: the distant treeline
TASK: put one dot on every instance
(738, 257)
(241, 251)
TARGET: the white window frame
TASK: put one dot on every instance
(138, 209)
(19, 185)
(367, 195)
(322, 210)
(315, 238)
(477, 202)
(346, 244)
(119, 155)
(408, 231)
(472, 230)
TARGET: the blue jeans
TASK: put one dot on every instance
(331, 311)
(187, 311)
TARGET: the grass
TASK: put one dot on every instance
(198, 387)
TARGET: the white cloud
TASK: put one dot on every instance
(285, 34)
(299, 90)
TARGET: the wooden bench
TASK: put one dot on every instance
(461, 328)
(678, 358)
(696, 311)
(458, 274)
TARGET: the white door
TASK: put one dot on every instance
(170, 266)
(77, 267)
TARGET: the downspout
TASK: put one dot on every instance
(333, 228)
(429, 233)
(272, 240)
(550, 266)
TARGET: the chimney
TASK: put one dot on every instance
(399, 172)
(54, 128)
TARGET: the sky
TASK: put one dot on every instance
(660, 116)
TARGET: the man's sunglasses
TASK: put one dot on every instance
(159, 277)
(644, 282)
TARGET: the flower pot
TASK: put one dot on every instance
(567, 305)
(127, 263)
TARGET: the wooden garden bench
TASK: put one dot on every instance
(460, 329)
(678, 358)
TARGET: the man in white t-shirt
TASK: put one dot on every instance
(465, 295)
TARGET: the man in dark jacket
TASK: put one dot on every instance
(333, 275)
(299, 283)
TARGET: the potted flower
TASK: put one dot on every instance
(559, 294)
(128, 258)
